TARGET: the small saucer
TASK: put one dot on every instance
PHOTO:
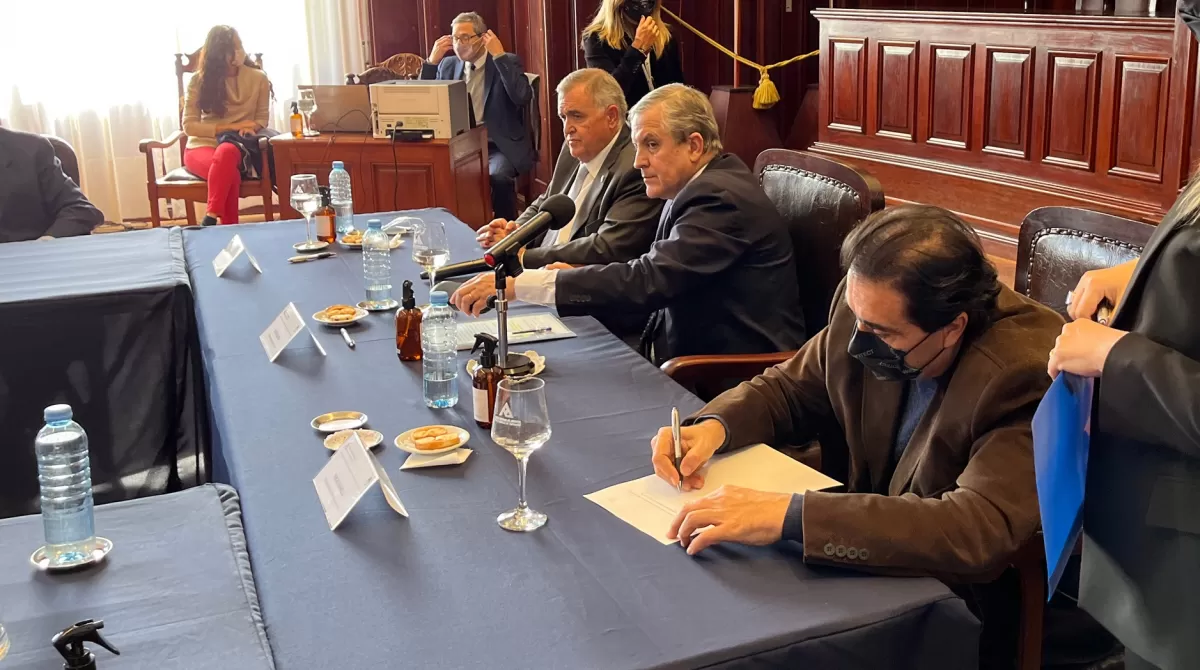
(100, 549)
(369, 438)
(332, 422)
(385, 306)
(306, 246)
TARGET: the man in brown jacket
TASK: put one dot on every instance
(921, 391)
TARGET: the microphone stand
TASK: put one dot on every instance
(513, 365)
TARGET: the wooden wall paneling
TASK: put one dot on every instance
(895, 104)
(1071, 105)
(1140, 102)
(398, 26)
(1008, 90)
(950, 94)
(847, 76)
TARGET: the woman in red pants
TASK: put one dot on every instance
(225, 94)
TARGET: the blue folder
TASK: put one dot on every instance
(1061, 428)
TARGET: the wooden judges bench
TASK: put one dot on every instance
(388, 176)
(994, 114)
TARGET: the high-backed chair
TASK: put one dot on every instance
(66, 155)
(180, 184)
(1058, 244)
(533, 119)
(820, 200)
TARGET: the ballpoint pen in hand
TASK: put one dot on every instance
(678, 444)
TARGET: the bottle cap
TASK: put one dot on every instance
(489, 343)
(325, 195)
(69, 644)
(374, 223)
(439, 298)
(409, 301)
(56, 413)
(338, 165)
(295, 108)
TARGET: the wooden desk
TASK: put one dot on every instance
(387, 177)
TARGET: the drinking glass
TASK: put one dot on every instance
(3, 642)
(430, 248)
(521, 425)
(306, 200)
(307, 104)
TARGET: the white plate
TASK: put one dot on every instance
(539, 363)
(395, 243)
(369, 438)
(332, 422)
(359, 315)
(404, 443)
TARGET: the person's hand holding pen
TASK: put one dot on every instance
(698, 443)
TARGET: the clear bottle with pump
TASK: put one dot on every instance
(486, 379)
(325, 217)
(297, 122)
(408, 326)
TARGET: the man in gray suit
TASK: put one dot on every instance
(37, 200)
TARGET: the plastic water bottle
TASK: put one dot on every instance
(65, 477)
(377, 266)
(439, 352)
(341, 198)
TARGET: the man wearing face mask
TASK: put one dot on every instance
(920, 390)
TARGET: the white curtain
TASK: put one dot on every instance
(101, 75)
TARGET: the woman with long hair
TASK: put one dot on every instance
(1140, 569)
(227, 94)
(628, 39)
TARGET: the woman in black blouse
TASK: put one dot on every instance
(628, 39)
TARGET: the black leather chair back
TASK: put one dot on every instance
(66, 156)
(1058, 244)
(821, 200)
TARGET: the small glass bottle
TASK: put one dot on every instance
(486, 379)
(297, 122)
(325, 217)
(408, 326)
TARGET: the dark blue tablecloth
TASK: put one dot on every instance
(105, 323)
(447, 588)
(176, 592)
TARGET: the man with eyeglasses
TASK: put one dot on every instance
(498, 91)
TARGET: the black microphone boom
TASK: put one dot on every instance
(556, 212)
(460, 269)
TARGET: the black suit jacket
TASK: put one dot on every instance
(36, 197)
(1140, 572)
(720, 275)
(1189, 11)
(625, 65)
(616, 221)
(505, 96)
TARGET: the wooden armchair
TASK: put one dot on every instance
(821, 200)
(399, 66)
(180, 184)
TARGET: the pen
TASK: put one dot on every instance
(346, 336)
(678, 444)
(534, 331)
(311, 257)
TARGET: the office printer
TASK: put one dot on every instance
(415, 107)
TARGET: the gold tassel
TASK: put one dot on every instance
(766, 95)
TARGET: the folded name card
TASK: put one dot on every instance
(349, 474)
(283, 330)
(230, 253)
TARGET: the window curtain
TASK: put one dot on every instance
(102, 76)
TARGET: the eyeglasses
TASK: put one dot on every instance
(463, 39)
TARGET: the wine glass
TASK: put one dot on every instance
(306, 199)
(521, 425)
(307, 104)
(430, 248)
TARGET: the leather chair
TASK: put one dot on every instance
(399, 66)
(1058, 244)
(66, 156)
(180, 184)
(533, 119)
(821, 200)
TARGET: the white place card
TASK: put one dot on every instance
(349, 474)
(230, 253)
(456, 457)
(283, 330)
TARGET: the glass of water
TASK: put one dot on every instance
(307, 104)
(306, 200)
(430, 248)
(521, 425)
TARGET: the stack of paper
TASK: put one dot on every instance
(525, 328)
(650, 504)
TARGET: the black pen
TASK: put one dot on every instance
(678, 444)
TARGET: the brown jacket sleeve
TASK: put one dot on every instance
(966, 531)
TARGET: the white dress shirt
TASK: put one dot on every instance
(538, 287)
(475, 74)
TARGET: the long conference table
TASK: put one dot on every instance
(448, 588)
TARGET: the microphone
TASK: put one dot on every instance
(556, 212)
(460, 269)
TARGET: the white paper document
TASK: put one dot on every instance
(349, 474)
(283, 330)
(651, 504)
(525, 328)
(230, 253)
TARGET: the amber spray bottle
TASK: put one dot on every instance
(408, 326)
(486, 379)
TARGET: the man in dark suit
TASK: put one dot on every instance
(37, 200)
(498, 92)
(720, 277)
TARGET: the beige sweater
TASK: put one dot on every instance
(247, 98)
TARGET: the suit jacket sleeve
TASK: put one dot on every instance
(512, 76)
(71, 212)
(706, 239)
(966, 532)
(622, 65)
(1189, 12)
(429, 71)
(627, 232)
(1148, 393)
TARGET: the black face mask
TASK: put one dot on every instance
(636, 9)
(885, 362)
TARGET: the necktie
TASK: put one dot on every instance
(581, 177)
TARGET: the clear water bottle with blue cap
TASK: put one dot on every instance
(65, 478)
(439, 352)
(341, 198)
(377, 267)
